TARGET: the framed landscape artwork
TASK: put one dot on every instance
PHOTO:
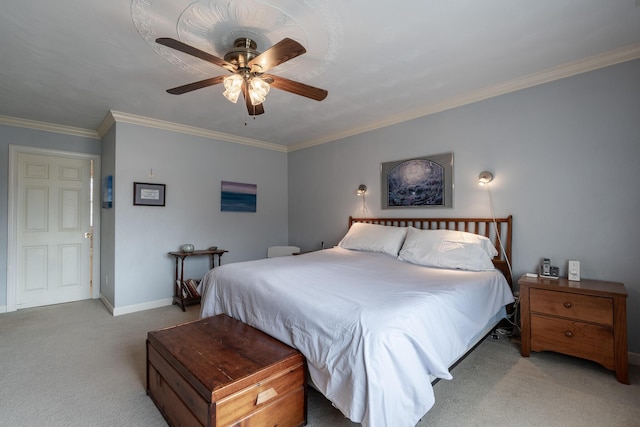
(238, 197)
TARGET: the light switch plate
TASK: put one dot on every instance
(574, 270)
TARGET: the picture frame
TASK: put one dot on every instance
(238, 197)
(148, 194)
(422, 182)
(107, 192)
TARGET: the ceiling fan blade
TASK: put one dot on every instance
(196, 85)
(297, 87)
(185, 48)
(254, 110)
(280, 52)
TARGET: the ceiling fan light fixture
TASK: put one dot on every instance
(248, 67)
(233, 86)
(258, 90)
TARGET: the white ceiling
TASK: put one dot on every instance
(70, 62)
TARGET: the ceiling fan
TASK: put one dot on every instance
(248, 68)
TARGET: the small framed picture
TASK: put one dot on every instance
(145, 194)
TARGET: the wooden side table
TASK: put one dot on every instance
(586, 319)
(178, 285)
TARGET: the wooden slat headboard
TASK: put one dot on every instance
(498, 230)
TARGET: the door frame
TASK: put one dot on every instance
(12, 244)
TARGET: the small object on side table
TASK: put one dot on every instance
(187, 248)
(586, 319)
(183, 298)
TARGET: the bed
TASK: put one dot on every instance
(382, 315)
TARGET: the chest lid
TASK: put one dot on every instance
(219, 355)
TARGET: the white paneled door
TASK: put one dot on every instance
(53, 229)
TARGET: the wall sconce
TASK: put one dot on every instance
(360, 192)
(485, 177)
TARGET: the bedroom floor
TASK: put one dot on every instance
(495, 386)
(76, 365)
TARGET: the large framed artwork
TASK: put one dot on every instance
(422, 182)
(238, 197)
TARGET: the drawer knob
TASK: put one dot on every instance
(567, 304)
(568, 334)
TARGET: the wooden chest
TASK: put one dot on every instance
(585, 319)
(218, 371)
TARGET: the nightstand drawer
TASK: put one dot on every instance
(585, 340)
(572, 306)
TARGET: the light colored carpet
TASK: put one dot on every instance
(76, 365)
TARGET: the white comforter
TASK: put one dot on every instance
(371, 327)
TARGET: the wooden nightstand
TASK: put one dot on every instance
(586, 319)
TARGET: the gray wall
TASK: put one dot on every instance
(108, 220)
(191, 168)
(10, 135)
(565, 158)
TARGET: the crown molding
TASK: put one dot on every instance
(106, 124)
(48, 127)
(606, 59)
(118, 116)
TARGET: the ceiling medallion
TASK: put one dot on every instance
(213, 26)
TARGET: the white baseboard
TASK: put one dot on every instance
(119, 311)
(634, 359)
(106, 303)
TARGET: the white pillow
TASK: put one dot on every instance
(374, 238)
(448, 249)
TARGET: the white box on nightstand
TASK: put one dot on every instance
(574, 271)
